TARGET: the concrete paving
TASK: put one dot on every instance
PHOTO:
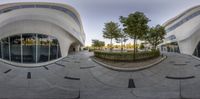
(55, 81)
(77, 76)
(177, 77)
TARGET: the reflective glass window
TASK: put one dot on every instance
(29, 48)
(53, 47)
(43, 48)
(59, 52)
(15, 48)
(5, 45)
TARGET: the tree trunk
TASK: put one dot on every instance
(134, 52)
(124, 45)
(121, 45)
(111, 44)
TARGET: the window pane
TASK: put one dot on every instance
(25, 49)
(43, 48)
(15, 48)
(59, 52)
(5, 48)
(53, 47)
(29, 48)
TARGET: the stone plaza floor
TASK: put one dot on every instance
(177, 77)
(60, 80)
(77, 76)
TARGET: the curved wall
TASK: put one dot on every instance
(186, 28)
(53, 22)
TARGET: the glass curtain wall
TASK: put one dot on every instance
(15, 48)
(54, 48)
(197, 51)
(43, 48)
(30, 48)
(5, 48)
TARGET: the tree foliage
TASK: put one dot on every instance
(98, 44)
(142, 46)
(111, 31)
(135, 25)
(122, 38)
(155, 35)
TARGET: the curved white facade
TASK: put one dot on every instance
(57, 20)
(184, 30)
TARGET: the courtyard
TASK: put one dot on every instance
(176, 77)
(59, 80)
(77, 76)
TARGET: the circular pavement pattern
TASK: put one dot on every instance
(176, 77)
(77, 76)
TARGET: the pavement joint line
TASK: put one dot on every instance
(171, 61)
(87, 67)
(46, 67)
(59, 64)
(29, 75)
(180, 64)
(187, 61)
(180, 78)
(197, 65)
(71, 78)
(7, 71)
(65, 60)
(98, 80)
(76, 62)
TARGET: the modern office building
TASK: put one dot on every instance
(183, 33)
(38, 33)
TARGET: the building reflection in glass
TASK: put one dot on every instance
(15, 48)
(30, 48)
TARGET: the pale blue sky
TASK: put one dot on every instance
(94, 13)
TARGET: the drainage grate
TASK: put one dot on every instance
(46, 67)
(131, 83)
(180, 78)
(7, 71)
(71, 78)
(29, 75)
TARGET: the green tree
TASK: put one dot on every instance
(111, 31)
(155, 35)
(142, 46)
(122, 38)
(98, 44)
(135, 25)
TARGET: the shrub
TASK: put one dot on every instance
(85, 48)
(91, 50)
(126, 56)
